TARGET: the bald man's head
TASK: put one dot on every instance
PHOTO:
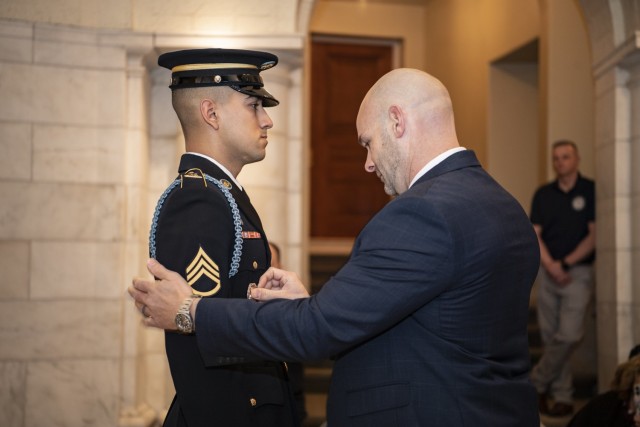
(405, 120)
(422, 98)
(410, 88)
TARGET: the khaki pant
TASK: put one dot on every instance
(561, 314)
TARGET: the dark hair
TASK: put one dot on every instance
(625, 377)
(563, 142)
(634, 351)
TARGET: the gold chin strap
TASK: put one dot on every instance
(191, 67)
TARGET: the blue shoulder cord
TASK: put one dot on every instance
(235, 212)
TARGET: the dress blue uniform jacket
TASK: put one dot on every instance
(427, 321)
(196, 218)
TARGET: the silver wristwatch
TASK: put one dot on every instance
(184, 321)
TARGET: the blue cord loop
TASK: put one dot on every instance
(235, 212)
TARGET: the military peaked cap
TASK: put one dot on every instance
(235, 68)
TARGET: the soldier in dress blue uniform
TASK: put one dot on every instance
(205, 227)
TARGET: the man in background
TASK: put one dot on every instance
(563, 216)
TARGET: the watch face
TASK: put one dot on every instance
(184, 323)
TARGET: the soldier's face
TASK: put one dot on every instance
(244, 124)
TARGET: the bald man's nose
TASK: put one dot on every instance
(369, 166)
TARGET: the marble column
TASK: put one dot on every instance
(143, 365)
(617, 187)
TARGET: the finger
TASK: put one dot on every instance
(262, 294)
(138, 296)
(142, 285)
(270, 284)
(148, 321)
(158, 270)
(266, 277)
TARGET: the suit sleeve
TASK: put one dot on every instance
(536, 214)
(400, 262)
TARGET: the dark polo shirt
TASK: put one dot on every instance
(564, 217)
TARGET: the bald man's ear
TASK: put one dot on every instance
(208, 112)
(398, 123)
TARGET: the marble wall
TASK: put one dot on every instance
(63, 228)
(88, 141)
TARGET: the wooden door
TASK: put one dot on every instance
(343, 196)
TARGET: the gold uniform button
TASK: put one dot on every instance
(255, 265)
(253, 401)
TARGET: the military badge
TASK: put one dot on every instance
(193, 173)
(201, 266)
(226, 184)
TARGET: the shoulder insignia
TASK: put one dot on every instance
(202, 265)
(193, 173)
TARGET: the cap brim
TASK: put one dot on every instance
(268, 100)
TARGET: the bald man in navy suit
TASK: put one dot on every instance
(427, 321)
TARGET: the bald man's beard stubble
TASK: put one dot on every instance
(388, 167)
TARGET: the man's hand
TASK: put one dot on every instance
(276, 283)
(557, 273)
(159, 300)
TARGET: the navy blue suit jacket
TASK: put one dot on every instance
(428, 318)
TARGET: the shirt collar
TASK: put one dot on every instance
(225, 170)
(435, 161)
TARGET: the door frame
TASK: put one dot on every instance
(340, 245)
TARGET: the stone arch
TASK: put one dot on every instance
(613, 30)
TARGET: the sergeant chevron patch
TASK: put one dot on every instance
(202, 265)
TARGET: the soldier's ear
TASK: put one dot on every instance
(208, 113)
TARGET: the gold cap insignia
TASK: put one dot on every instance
(202, 265)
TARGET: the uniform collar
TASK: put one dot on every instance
(215, 162)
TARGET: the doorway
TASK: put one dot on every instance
(343, 196)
